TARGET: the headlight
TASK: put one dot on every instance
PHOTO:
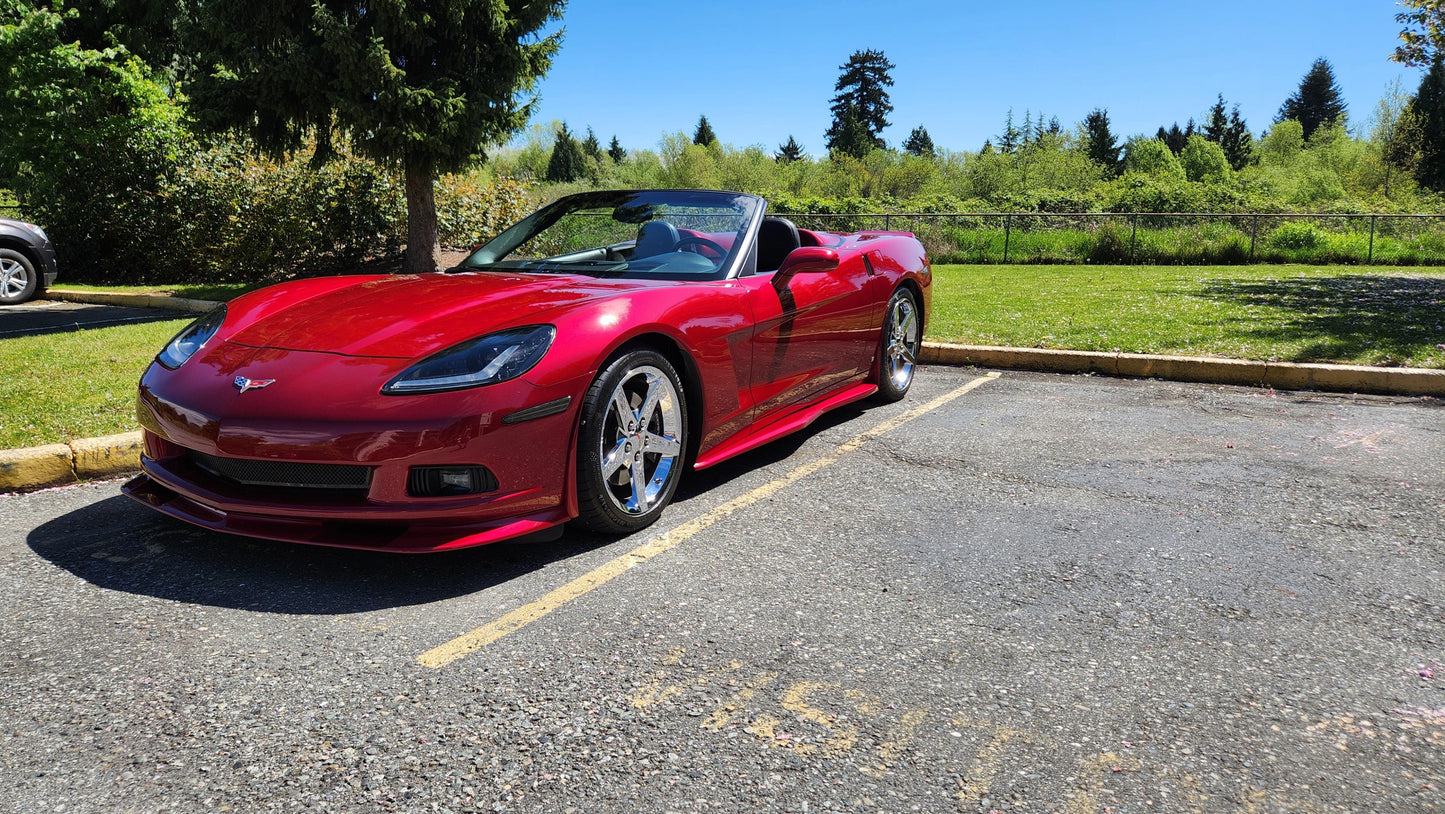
(37, 230)
(193, 338)
(493, 358)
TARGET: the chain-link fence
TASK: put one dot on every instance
(1159, 239)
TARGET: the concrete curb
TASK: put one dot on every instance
(116, 454)
(132, 300)
(55, 464)
(1281, 375)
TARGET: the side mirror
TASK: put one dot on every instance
(805, 260)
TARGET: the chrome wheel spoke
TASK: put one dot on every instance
(649, 403)
(615, 459)
(905, 325)
(663, 445)
(638, 502)
(626, 418)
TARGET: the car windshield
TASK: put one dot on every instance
(672, 235)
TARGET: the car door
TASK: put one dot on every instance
(816, 332)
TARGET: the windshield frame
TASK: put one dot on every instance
(739, 255)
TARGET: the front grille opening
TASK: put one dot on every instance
(288, 474)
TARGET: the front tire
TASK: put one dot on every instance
(902, 340)
(18, 280)
(631, 444)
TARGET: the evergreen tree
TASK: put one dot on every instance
(591, 147)
(1229, 132)
(918, 143)
(789, 152)
(1099, 142)
(423, 86)
(1174, 138)
(615, 151)
(703, 134)
(862, 87)
(568, 162)
(1318, 100)
(1055, 128)
(1027, 133)
(1216, 123)
(1238, 142)
(853, 137)
(1008, 140)
(1428, 110)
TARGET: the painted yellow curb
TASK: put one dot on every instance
(1405, 381)
(55, 464)
(111, 455)
(132, 300)
(38, 466)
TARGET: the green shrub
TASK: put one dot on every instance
(472, 209)
(1297, 236)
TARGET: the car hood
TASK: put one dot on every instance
(410, 316)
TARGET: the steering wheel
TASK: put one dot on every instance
(701, 243)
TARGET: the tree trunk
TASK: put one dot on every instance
(422, 252)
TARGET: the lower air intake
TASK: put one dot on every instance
(285, 473)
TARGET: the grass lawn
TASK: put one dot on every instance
(59, 387)
(1346, 314)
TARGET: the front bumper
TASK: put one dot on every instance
(530, 459)
(412, 535)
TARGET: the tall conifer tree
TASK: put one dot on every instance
(422, 86)
(703, 134)
(863, 87)
(919, 143)
(789, 152)
(1317, 102)
(568, 163)
(852, 138)
(1099, 142)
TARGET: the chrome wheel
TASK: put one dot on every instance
(633, 437)
(644, 422)
(15, 282)
(902, 339)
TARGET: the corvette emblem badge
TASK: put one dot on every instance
(243, 384)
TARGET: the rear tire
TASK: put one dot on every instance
(631, 444)
(902, 340)
(18, 280)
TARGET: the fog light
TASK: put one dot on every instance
(449, 481)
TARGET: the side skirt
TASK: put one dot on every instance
(786, 425)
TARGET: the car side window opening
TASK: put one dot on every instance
(777, 238)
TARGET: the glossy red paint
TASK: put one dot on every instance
(761, 356)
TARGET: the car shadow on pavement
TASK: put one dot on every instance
(119, 545)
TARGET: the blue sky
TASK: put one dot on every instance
(761, 70)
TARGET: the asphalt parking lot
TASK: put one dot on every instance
(1041, 593)
(51, 316)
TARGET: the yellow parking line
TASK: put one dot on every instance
(445, 654)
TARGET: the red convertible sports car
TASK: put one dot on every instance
(569, 370)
